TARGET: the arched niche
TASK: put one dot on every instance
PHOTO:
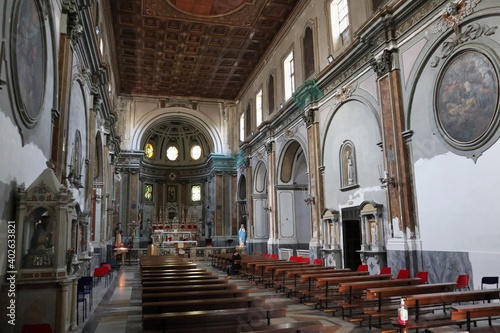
(43, 232)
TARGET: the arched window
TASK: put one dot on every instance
(308, 46)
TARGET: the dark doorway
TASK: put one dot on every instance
(351, 233)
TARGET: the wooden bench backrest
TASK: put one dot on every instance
(363, 285)
(203, 304)
(385, 292)
(316, 276)
(182, 282)
(336, 280)
(452, 297)
(205, 294)
(211, 317)
(196, 287)
(178, 277)
(474, 311)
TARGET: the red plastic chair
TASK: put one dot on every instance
(294, 258)
(304, 260)
(462, 282)
(267, 255)
(362, 268)
(274, 256)
(403, 274)
(385, 270)
(109, 268)
(36, 328)
(424, 276)
(101, 272)
(318, 262)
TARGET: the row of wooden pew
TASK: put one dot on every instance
(179, 297)
(372, 299)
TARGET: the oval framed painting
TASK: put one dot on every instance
(467, 100)
(29, 60)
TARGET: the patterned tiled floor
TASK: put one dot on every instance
(117, 309)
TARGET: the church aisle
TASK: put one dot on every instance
(117, 309)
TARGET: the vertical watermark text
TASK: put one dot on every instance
(11, 272)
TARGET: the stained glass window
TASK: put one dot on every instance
(149, 150)
(195, 193)
(148, 192)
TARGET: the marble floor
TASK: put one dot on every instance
(117, 308)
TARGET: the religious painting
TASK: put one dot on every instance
(467, 98)
(29, 61)
(171, 194)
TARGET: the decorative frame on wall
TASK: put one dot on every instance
(466, 101)
(29, 56)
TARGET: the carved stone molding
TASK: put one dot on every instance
(308, 117)
(453, 14)
(472, 32)
(269, 147)
(344, 93)
(383, 64)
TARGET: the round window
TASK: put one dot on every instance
(196, 152)
(172, 153)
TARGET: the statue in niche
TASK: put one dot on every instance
(171, 194)
(41, 241)
(350, 168)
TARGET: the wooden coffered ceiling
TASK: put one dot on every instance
(192, 48)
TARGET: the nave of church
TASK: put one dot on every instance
(358, 132)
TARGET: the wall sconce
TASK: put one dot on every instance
(71, 174)
(387, 181)
(330, 58)
(309, 200)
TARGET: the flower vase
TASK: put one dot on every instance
(69, 268)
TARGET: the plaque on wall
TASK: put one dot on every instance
(466, 100)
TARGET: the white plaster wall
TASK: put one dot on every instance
(356, 122)
(456, 200)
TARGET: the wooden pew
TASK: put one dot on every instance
(268, 270)
(475, 311)
(312, 278)
(159, 272)
(415, 303)
(185, 295)
(163, 281)
(351, 289)
(190, 287)
(203, 304)
(386, 295)
(178, 277)
(327, 282)
(290, 275)
(296, 327)
(249, 265)
(203, 319)
(182, 282)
